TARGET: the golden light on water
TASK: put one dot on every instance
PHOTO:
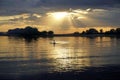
(69, 58)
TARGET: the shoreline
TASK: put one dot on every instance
(66, 35)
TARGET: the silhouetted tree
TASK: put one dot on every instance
(118, 31)
(83, 32)
(16, 31)
(112, 31)
(92, 31)
(31, 31)
(76, 33)
(50, 33)
(101, 31)
(28, 31)
(44, 33)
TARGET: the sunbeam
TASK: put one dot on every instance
(71, 17)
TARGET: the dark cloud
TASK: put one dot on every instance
(8, 7)
(79, 3)
(58, 3)
(101, 17)
(12, 7)
(29, 3)
(17, 3)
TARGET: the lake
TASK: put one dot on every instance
(71, 58)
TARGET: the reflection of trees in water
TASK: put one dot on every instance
(30, 39)
(25, 38)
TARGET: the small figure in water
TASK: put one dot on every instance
(54, 42)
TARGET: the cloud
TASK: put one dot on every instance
(26, 18)
(17, 6)
(13, 7)
(79, 3)
(91, 12)
(103, 17)
(32, 3)
(81, 18)
(17, 3)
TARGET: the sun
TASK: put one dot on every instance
(59, 15)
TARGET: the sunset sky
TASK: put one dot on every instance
(61, 16)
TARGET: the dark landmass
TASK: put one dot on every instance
(2, 33)
(89, 73)
(33, 32)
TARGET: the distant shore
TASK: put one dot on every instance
(86, 35)
(33, 32)
(67, 35)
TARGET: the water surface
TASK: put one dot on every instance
(20, 56)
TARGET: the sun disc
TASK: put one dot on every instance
(59, 15)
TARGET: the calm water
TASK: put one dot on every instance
(19, 56)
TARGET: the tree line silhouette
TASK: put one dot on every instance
(32, 32)
(29, 31)
(93, 31)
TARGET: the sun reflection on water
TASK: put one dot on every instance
(69, 58)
